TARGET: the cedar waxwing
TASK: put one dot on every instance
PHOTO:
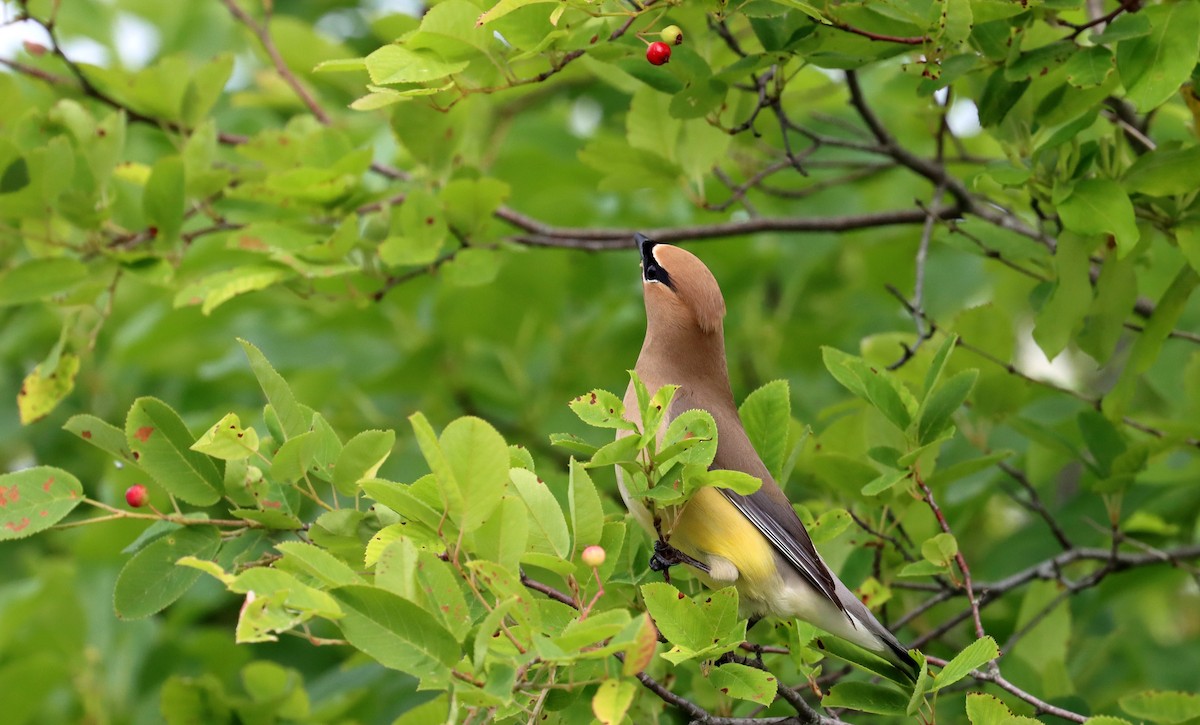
(756, 542)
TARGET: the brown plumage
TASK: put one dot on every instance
(756, 543)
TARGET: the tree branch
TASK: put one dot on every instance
(539, 234)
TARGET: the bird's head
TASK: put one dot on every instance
(680, 291)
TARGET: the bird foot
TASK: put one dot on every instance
(666, 556)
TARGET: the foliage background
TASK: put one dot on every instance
(1092, 161)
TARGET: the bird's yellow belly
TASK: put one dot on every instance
(710, 526)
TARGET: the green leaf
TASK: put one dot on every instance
(204, 88)
(938, 408)
(316, 564)
(922, 568)
(407, 500)
(698, 99)
(587, 630)
(622, 450)
(884, 482)
(1100, 206)
(1162, 706)
(471, 267)
(999, 96)
(163, 198)
(869, 661)
(921, 687)
(34, 499)
(399, 64)
(469, 203)
(227, 440)
(767, 415)
(15, 176)
(1150, 342)
(395, 632)
(1039, 61)
(489, 631)
(214, 290)
(1102, 439)
(419, 231)
(504, 7)
(938, 364)
(744, 682)
(612, 701)
(1116, 294)
(866, 697)
(950, 474)
(1164, 172)
(736, 481)
(989, 710)
(601, 409)
(830, 525)
(1123, 27)
(974, 656)
(270, 518)
(547, 524)
(690, 439)
(940, 549)
(573, 444)
(506, 585)
(43, 389)
(700, 627)
(1154, 66)
(292, 416)
(1059, 316)
(1188, 238)
(101, 434)
(587, 514)
(477, 458)
(150, 581)
(361, 458)
(294, 457)
(878, 387)
(301, 598)
(1089, 67)
(341, 65)
(161, 444)
(504, 537)
(440, 592)
(36, 279)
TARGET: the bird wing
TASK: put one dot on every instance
(776, 520)
(768, 508)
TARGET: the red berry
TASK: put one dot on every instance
(136, 496)
(658, 53)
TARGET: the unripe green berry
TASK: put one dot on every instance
(672, 35)
(593, 556)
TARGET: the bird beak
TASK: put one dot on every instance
(645, 246)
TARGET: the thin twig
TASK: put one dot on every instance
(263, 33)
(1035, 503)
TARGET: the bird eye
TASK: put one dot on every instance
(653, 273)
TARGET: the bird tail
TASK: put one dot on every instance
(897, 655)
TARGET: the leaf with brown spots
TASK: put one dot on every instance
(744, 683)
(103, 435)
(43, 389)
(35, 499)
(166, 454)
(601, 409)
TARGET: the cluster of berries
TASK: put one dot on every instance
(659, 52)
